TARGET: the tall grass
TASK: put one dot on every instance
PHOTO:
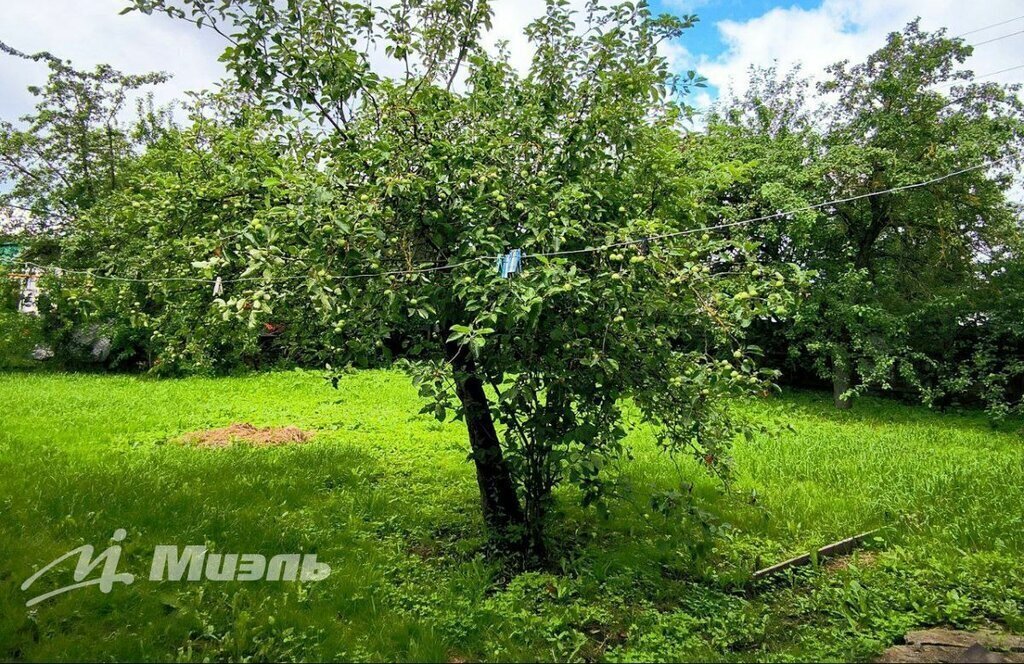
(386, 497)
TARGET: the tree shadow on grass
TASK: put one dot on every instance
(335, 500)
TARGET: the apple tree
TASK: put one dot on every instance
(427, 157)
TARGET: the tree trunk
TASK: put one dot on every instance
(841, 380)
(502, 511)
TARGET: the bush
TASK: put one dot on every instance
(19, 333)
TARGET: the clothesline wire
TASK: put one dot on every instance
(999, 38)
(586, 250)
(767, 217)
(989, 26)
(201, 280)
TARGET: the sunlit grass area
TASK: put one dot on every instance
(386, 498)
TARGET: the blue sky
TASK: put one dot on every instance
(730, 36)
(705, 38)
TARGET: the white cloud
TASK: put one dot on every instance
(91, 33)
(851, 29)
(509, 21)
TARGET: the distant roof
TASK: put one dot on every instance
(9, 252)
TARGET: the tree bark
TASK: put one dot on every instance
(841, 381)
(501, 509)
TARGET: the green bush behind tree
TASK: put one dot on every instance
(903, 280)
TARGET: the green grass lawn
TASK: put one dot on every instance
(386, 497)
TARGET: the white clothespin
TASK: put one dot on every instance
(218, 287)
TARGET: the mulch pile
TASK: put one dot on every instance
(247, 433)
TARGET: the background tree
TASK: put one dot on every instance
(424, 179)
(67, 155)
(191, 194)
(976, 342)
(906, 115)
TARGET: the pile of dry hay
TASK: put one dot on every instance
(247, 433)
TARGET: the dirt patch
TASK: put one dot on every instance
(247, 433)
(860, 559)
(425, 551)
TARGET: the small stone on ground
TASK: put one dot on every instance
(947, 645)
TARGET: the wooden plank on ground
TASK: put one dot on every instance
(840, 548)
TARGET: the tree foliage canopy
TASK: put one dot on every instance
(890, 266)
(67, 155)
(428, 177)
(348, 195)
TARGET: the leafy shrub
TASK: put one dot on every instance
(19, 333)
